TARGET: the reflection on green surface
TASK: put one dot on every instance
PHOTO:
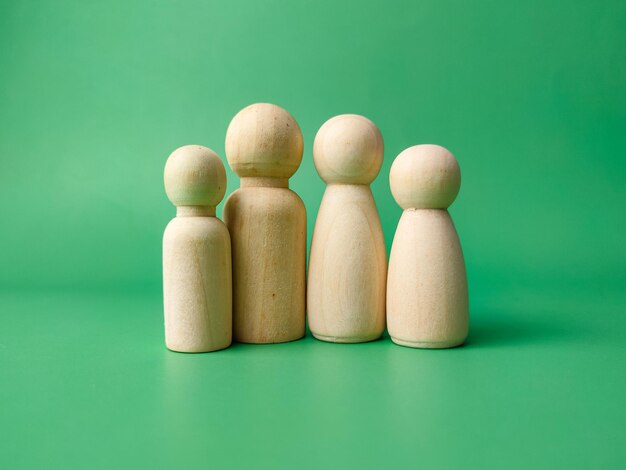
(87, 378)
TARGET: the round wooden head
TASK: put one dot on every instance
(348, 149)
(195, 176)
(425, 177)
(264, 140)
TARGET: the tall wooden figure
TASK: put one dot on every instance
(197, 276)
(427, 300)
(348, 260)
(267, 223)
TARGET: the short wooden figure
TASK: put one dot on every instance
(348, 260)
(267, 223)
(427, 298)
(197, 276)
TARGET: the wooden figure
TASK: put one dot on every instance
(348, 260)
(267, 223)
(427, 298)
(197, 277)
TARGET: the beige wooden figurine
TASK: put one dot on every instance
(197, 278)
(427, 300)
(348, 261)
(267, 223)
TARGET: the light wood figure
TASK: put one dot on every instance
(348, 261)
(427, 299)
(197, 276)
(267, 223)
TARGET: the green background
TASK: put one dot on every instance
(529, 95)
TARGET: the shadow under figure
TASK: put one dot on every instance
(496, 329)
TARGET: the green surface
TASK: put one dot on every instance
(529, 96)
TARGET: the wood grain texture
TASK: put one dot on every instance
(427, 295)
(268, 227)
(197, 272)
(348, 262)
(267, 223)
(264, 140)
(427, 301)
(347, 268)
(197, 284)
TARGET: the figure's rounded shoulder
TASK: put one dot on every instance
(297, 200)
(263, 202)
(232, 198)
(195, 228)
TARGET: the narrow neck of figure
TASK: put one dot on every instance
(264, 182)
(334, 184)
(195, 211)
(425, 209)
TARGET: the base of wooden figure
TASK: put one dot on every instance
(347, 340)
(195, 351)
(252, 341)
(429, 344)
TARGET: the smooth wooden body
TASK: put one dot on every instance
(427, 299)
(197, 284)
(347, 267)
(268, 232)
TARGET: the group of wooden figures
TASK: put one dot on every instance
(245, 279)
